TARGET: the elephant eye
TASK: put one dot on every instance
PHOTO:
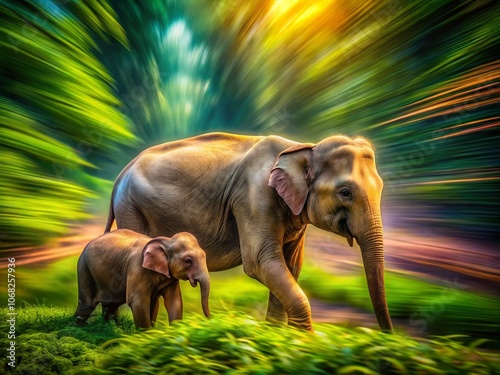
(188, 262)
(345, 193)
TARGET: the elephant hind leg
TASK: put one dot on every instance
(131, 217)
(86, 294)
(83, 311)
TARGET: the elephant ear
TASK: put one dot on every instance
(154, 257)
(291, 175)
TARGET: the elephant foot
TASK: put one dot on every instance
(110, 310)
(301, 324)
(83, 312)
(300, 316)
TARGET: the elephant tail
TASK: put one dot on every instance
(111, 214)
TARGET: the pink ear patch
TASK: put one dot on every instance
(154, 259)
(293, 195)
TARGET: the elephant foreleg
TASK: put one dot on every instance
(155, 307)
(275, 275)
(87, 289)
(141, 311)
(266, 263)
(139, 300)
(275, 310)
(172, 298)
(293, 253)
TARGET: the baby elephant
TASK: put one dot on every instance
(127, 267)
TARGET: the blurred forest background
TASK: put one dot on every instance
(86, 85)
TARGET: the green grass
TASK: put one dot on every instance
(425, 307)
(49, 342)
(430, 308)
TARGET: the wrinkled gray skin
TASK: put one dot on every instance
(127, 267)
(248, 200)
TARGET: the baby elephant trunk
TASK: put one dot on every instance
(205, 291)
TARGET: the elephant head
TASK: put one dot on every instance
(335, 186)
(182, 257)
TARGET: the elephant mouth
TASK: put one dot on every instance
(193, 282)
(344, 231)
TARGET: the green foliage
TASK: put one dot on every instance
(48, 319)
(236, 343)
(437, 308)
(42, 353)
(58, 115)
(49, 342)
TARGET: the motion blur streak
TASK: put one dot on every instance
(455, 181)
(483, 88)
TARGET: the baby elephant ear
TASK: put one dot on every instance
(291, 175)
(154, 257)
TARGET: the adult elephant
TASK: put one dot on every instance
(249, 199)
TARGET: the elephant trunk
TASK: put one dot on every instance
(372, 249)
(205, 291)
